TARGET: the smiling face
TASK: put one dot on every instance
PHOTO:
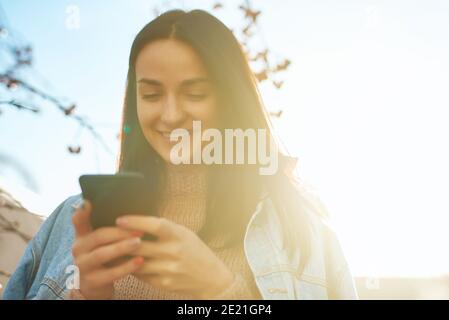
(173, 89)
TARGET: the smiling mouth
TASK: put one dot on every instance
(166, 134)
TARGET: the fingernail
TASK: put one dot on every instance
(122, 221)
(138, 260)
(137, 233)
(133, 242)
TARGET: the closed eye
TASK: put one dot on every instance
(196, 97)
(151, 97)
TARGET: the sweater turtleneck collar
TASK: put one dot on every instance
(187, 180)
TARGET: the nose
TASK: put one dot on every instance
(172, 112)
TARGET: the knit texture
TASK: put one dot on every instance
(184, 202)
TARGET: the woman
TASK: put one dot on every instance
(224, 231)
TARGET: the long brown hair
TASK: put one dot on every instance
(234, 190)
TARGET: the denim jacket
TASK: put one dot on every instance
(44, 269)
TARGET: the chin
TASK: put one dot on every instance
(163, 153)
(166, 157)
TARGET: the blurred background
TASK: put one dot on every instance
(358, 90)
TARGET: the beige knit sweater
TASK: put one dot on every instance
(184, 202)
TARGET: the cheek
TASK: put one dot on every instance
(207, 112)
(146, 115)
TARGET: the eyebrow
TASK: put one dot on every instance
(187, 82)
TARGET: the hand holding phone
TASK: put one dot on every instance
(102, 256)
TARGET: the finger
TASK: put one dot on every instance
(160, 227)
(100, 237)
(107, 253)
(148, 278)
(104, 276)
(153, 249)
(159, 267)
(165, 282)
(81, 219)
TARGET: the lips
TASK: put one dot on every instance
(166, 134)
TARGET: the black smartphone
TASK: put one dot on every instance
(114, 195)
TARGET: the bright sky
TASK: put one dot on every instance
(365, 108)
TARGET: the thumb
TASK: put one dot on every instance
(81, 219)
